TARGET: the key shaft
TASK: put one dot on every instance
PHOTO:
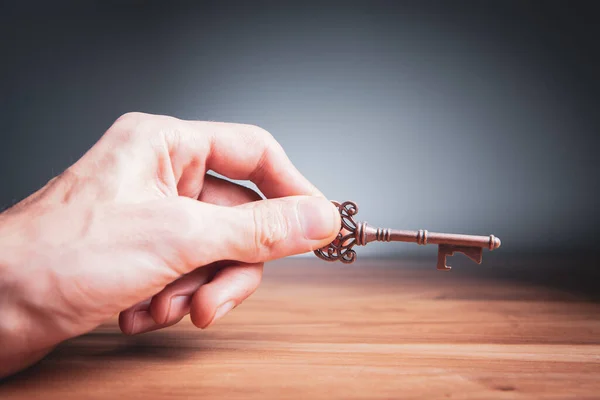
(367, 234)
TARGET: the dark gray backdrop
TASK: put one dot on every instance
(474, 117)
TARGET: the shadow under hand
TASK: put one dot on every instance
(103, 350)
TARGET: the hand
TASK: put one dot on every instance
(137, 225)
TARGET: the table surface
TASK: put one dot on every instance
(378, 329)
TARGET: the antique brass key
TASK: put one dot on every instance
(359, 234)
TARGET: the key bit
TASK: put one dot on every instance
(360, 234)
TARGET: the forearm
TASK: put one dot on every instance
(16, 318)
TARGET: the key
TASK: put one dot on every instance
(360, 234)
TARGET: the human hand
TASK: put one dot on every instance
(137, 225)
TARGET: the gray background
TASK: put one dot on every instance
(465, 117)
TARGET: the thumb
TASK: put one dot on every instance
(258, 231)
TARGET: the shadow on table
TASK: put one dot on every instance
(573, 272)
(105, 349)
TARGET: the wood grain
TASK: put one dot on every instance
(374, 330)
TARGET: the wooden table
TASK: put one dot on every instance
(375, 329)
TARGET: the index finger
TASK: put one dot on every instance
(248, 152)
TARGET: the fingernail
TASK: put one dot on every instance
(179, 305)
(221, 311)
(318, 218)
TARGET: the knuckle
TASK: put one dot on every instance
(130, 117)
(159, 129)
(124, 127)
(270, 151)
(141, 125)
(263, 137)
(271, 228)
(260, 133)
(145, 127)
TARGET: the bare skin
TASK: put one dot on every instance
(137, 227)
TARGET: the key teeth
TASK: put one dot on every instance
(444, 268)
(444, 251)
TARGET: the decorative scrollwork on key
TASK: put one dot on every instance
(341, 248)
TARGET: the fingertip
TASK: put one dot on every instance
(128, 319)
(126, 323)
(205, 313)
(230, 287)
(202, 308)
(221, 311)
(319, 219)
(337, 225)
